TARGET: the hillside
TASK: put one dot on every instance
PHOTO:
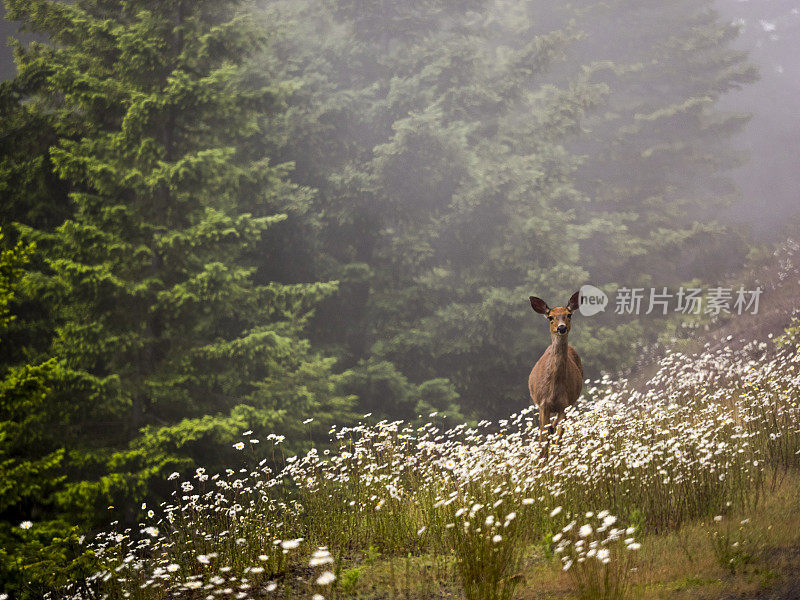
(778, 274)
(684, 490)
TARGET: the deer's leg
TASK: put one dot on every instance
(559, 426)
(544, 427)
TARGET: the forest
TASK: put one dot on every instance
(287, 216)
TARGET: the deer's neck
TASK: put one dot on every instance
(557, 365)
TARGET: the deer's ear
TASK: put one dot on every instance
(574, 301)
(539, 305)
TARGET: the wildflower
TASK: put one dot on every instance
(634, 546)
(248, 432)
(263, 557)
(271, 586)
(151, 531)
(421, 530)
(585, 530)
(320, 557)
(307, 421)
(25, 525)
(555, 511)
(171, 568)
(317, 597)
(567, 564)
(609, 520)
(718, 518)
(326, 578)
(603, 554)
(239, 445)
(497, 539)
(291, 544)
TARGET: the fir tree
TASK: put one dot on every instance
(434, 198)
(490, 154)
(172, 345)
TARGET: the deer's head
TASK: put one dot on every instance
(560, 317)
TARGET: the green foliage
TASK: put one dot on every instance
(348, 580)
(209, 204)
(160, 337)
(790, 338)
(12, 261)
(422, 144)
(386, 392)
(47, 557)
(465, 159)
(734, 546)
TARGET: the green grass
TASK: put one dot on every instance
(679, 564)
(474, 513)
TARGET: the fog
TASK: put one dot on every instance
(225, 223)
(458, 158)
(771, 35)
(768, 181)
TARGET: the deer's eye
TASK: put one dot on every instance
(569, 316)
(549, 318)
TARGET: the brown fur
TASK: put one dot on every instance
(556, 380)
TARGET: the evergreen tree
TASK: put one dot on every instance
(434, 202)
(502, 149)
(656, 156)
(30, 192)
(34, 402)
(171, 345)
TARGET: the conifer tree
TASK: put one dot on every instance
(36, 415)
(446, 156)
(152, 279)
(658, 154)
(497, 150)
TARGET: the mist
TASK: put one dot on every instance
(230, 223)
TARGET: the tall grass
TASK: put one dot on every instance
(706, 433)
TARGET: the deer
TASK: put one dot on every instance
(556, 380)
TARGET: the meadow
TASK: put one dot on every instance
(687, 470)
